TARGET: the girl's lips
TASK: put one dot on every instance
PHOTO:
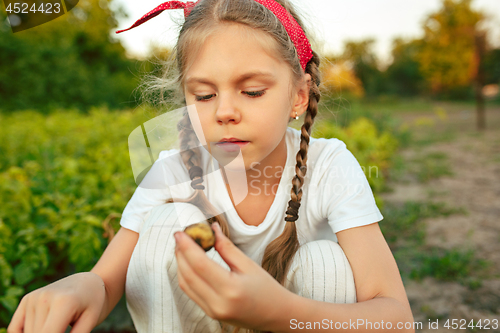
(232, 146)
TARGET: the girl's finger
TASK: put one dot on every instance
(29, 321)
(85, 323)
(211, 272)
(40, 316)
(193, 285)
(230, 253)
(58, 319)
(16, 324)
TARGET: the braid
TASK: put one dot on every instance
(201, 23)
(187, 139)
(191, 157)
(279, 253)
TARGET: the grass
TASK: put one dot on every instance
(426, 122)
(430, 137)
(403, 224)
(436, 193)
(448, 265)
(431, 166)
(423, 168)
(404, 229)
(423, 124)
(458, 265)
(392, 104)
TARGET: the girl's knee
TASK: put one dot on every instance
(156, 240)
(156, 244)
(320, 270)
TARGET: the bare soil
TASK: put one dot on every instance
(474, 159)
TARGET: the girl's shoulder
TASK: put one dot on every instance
(328, 160)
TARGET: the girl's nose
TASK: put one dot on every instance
(227, 110)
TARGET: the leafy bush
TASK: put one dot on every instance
(71, 62)
(372, 149)
(60, 176)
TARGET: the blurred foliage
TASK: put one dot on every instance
(338, 78)
(446, 57)
(75, 61)
(492, 66)
(61, 175)
(403, 76)
(372, 149)
(70, 62)
(364, 63)
(441, 64)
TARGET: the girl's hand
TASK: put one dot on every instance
(76, 300)
(246, 296)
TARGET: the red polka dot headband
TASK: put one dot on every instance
(293, 29)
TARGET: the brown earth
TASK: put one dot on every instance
(474, 159)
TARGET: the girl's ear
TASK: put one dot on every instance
(301, 97)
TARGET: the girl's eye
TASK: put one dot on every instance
(255, 93)
(204, 98)
(249, 93)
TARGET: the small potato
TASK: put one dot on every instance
(202, 234)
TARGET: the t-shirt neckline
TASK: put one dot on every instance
(234, 216)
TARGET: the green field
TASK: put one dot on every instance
(62, 174)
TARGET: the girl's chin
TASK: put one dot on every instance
(230, 158)
(233, 164)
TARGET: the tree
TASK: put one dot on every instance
(479, 75)
(492, 66)
(403, 74)
(338, 77)
(364, 61)
(71, 61)
(446, 57)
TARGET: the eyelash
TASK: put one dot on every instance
(251, 94)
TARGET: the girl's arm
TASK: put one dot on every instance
(112, 268)
(79, 299)
(380, 292)
(248, 296)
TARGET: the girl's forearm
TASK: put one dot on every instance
(381, 314)
(112, 297)
(106, 309)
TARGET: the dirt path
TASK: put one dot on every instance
(474, 160)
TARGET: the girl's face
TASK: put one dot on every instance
(241, 90)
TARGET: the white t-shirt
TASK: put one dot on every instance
(336, 196)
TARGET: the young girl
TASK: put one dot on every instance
(301, 251)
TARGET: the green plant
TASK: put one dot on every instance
(61, 175)
(372, 149)
(448, 265)
(403, 222)
(431, 166)
(404, 230)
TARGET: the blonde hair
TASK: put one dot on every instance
(203, 20)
